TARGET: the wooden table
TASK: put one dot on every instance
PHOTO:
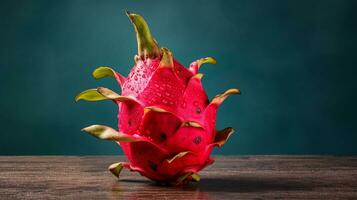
(230, 177)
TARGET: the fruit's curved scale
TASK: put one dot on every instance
(193, 100)
(166, 123)
(190, 162)
(222, 136)
(210, 112)
(195, 66)
(159, 126)
(104, 71)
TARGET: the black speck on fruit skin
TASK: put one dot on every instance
(198, 110)
(163, 137)
(153, 166)
(197, 140)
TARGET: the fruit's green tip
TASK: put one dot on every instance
(147, 46)
(209, 60)
(77, 98)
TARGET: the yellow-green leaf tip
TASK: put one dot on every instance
(195, 177)
(116, 168)
(102, 72)
(108, 133)
(209, 60)
(222, 136)
(90, 95)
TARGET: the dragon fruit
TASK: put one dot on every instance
(166, 124)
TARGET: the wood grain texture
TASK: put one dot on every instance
(256, 177)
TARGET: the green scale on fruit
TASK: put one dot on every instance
(166, 123)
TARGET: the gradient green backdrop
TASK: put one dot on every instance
(295, 62)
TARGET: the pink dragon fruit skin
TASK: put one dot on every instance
(166, 123)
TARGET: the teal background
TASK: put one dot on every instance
(295, 62)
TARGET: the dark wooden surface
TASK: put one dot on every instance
(256, 177)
